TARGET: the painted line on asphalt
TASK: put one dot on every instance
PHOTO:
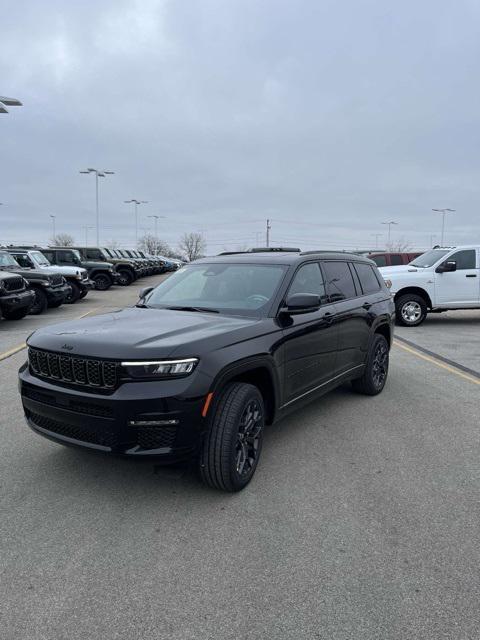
(20, 347)
(438, 362)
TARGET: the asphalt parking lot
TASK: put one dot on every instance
(362, 522)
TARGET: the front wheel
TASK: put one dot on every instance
(40, 303)
(411, 310)
(74, 294)
(232, 446)
(375, 373)
(102, 281)
(125, 278)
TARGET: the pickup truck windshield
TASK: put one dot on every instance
(239, 289)
(430, 258)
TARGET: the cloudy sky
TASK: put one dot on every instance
(327, 116)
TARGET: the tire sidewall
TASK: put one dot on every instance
(40, 303)
(406, 299)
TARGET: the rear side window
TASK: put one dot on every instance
(92, 254)
(395, 259)
(23, 261)
(465, 259)
(50, 256)
(340, 285)
(380, 261)
(367, 277)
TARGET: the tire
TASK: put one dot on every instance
(75, 293)
(126, 277)
(102, 281)
(40, 302)
(83, 293)
(411, 310)
(228, 459)
(375, 373)
(16, 315)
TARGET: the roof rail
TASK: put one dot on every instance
(261, 250)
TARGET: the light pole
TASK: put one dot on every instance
(444, 213)
(53, 226)
(267, 234)
(136, 203)
(156, 223)
(390, 222)
(432, 236)
(99, 173)
(376, 236)
(8, 102)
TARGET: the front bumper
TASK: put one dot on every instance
(57, 294)
(106, 421)
(18, 300)
(86, 284)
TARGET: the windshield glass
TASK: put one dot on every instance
(77, 255)
(39, 259)
(240, 289)
(429, 258)
(6, 260)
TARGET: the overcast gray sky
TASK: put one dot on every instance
(326, 116)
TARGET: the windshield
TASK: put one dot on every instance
(39, 259)
(429, 258)
(6, 260)
(240, 289)
(77, 255)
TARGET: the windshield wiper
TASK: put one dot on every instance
(142, 305)
(206, 309)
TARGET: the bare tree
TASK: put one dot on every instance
(62, 240)
(193, 245)
(151, 244)
(401, 246)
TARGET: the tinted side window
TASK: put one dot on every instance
(92, 254)
(380, 261)
(309, 279)
(23, 261)
(340, 285)
(368, 279)
(395, 259)
(465, 259)
(50, 256)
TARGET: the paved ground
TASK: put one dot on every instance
(362, 523)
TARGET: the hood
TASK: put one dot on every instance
(65, 271)
(91, 264)
(140, 334)
(400, 269)
(31, 274)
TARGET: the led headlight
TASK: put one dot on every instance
(160, 368)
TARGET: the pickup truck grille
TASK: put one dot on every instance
(13, 284)
(73, 370)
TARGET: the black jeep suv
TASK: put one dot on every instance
(207, 358)
(15, 297)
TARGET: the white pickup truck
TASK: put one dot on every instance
(441, 279)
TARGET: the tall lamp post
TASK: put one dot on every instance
(136, 203)
(99, 173)
(156, 223)
(390, 222)
(86, 227)
(444, 213)
(8, 102)
(376, 236)
(53, 227)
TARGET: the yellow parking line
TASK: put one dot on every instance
(438, 363)
(20, 347)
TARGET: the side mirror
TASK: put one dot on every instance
(145, 291)
(302, 303)
(447, 266)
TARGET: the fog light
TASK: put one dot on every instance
(152, 423)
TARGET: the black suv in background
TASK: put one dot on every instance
(127, 270)
(102, 274)
(15, 297)
(207, 358)
(50, 289)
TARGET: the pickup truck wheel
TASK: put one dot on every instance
(375, 373)
(39, 304)
(102, 281)
(126, 277)
(74, 294)
(411, 310)
(231, 448)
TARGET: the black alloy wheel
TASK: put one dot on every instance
(125, 278)
(74, 294)
(233, 443)
(40, 303)
(102, 281)
(374, 376)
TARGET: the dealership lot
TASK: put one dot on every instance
(361, 523)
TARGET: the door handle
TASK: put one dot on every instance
(328, 317)
(367, 305)
(471, 275)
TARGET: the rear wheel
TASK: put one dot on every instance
(232, 446)
(125, 278)
(375, 373)
(74, 294)
(102, 281)
(40, 303)
(411, 310)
